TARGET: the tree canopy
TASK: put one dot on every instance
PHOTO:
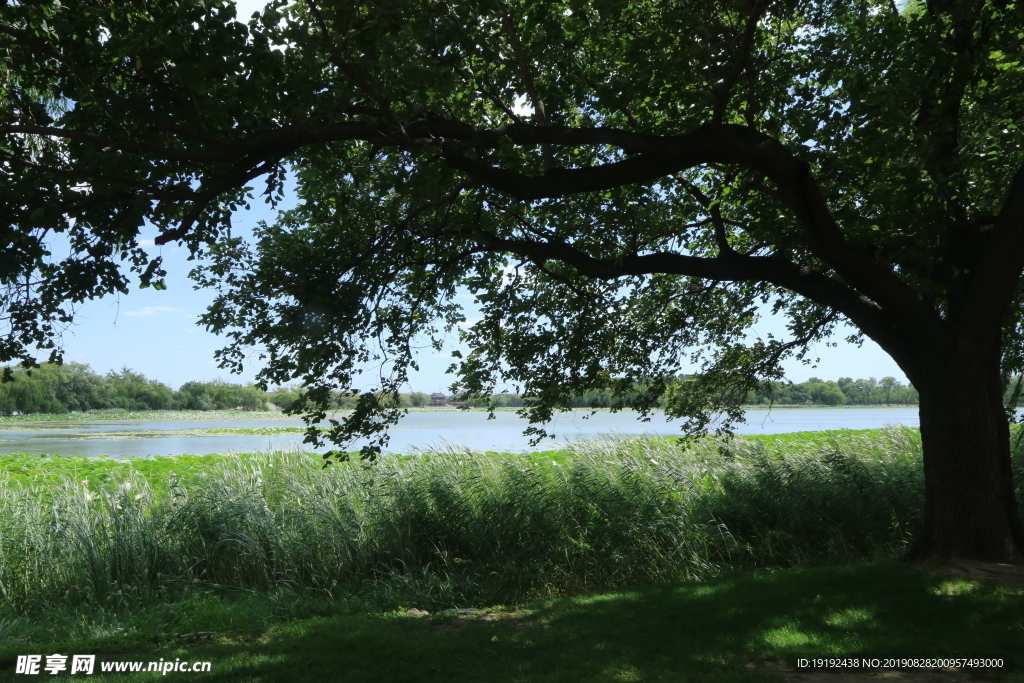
(620, 184)
(74, 387)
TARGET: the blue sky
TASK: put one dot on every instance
(156, 332)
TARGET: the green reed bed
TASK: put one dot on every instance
(449, 528)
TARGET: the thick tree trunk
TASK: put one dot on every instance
(970, 509)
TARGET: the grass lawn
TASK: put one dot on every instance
(708, 631)
(305, 574)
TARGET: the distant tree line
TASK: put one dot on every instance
(74, 387)
(847, 391)
(814, 391)
(284, 397)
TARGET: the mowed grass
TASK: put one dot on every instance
(618, 560)
(718, 630)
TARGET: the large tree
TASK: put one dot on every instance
(620, 184)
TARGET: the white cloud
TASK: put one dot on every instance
(147, 243)
(150, 311)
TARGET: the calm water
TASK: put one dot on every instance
(416, 430)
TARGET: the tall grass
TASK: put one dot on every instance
(448, 528)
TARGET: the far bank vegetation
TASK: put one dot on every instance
(75, 387)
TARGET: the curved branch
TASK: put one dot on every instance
(236, 177)
(874, 321)
(86, 176)
(723, 90)
(725, 144)
(526, 73)
(358, 78)
(109, 144)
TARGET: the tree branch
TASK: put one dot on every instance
(802, 341)
(656, 157)
(85, 176)
(483, 89)
(526, 73)
(109, 144)
(866, 314)
(723, 91)
(725, 144)
(358, 78)
(721, 234)
(236, 177)
(162, 122)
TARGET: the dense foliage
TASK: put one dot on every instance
(846, 391)
(108, 113)
(74, 387)
(622, 187)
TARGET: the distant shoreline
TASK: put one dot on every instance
(224, 415)
(791, 406)
(755, 406)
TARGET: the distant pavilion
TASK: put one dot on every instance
(441, 401)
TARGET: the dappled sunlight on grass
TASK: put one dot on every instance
(671, 632)
(879, 608)
(957, 587)
(788, 637)
(852, 617)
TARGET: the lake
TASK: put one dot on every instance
(417, 430)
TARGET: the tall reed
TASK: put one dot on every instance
(451, 528)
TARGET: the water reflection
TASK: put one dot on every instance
(124, 439)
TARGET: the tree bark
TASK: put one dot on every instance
(970, 508)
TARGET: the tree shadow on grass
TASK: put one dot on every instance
(870, 610)
(712, 631)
